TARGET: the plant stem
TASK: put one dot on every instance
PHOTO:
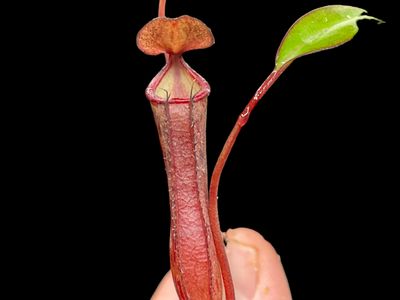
(216, 175)
(161, 8)
(161, 13)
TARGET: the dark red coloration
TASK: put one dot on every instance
(179, 101)
(181, 124)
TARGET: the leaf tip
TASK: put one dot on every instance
(366, 17)
(320, 29)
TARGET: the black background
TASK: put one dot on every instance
(312, 171)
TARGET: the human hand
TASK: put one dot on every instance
(256, 269)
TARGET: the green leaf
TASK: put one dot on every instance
(320, 29)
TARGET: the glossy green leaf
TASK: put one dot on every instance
(320, 29)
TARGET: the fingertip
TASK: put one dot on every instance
(256, 267)
(165, 289)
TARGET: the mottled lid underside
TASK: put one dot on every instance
(174, 36)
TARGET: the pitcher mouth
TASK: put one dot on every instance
(177, 82)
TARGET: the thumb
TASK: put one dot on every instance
(256, 269)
